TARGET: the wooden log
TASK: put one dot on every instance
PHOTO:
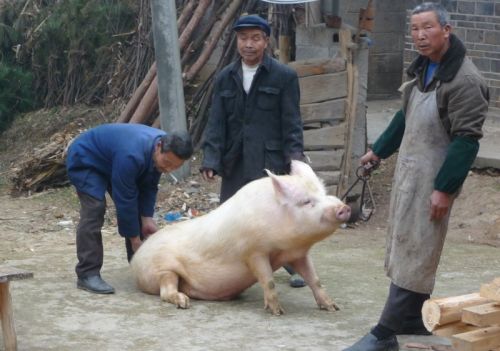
(482, 315)
(7, 318)
(491, 290)
(323, 87)
(450, 329)
(284, 47)
(438, 312)
(326, 138)
(141, 113)
(193, 23)
(484, 339)
(186, 13)
(332, 110)
(216, 33)
(136, 98)
(311, 67)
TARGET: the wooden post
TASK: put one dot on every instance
(7, 317)
(284, 46)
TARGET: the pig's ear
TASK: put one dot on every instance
(305, 171)
(283, 189)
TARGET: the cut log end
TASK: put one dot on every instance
(431, 315)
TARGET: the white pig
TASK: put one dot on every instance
(268, 223)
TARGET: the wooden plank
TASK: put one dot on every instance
(329, 178)
(331, 190)
(11, 273)
(326, 138)
(477, 340)
(331, 110)
(323, 87)
(305, 68)
(7, 318)
(482, 315)
(491, 290)
(447, 330)
(325, 160)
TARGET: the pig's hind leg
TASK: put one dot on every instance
(261, 268)
(305, 268)
(169, 285)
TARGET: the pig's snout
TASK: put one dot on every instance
(343, 213)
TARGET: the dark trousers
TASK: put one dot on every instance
(89, 249)
(401, 305)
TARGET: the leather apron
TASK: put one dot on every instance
(414, 242)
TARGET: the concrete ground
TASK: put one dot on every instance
(51, 314)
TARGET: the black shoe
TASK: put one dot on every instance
(413, 326)
(296, 281)
(370, 343)
(95, 284)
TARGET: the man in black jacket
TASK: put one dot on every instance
(255, 121)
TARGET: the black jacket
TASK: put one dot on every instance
(263, 127)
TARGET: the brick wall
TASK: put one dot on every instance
(477, 24)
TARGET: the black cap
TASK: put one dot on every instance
(252, 21)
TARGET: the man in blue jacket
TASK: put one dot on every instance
(126, 160)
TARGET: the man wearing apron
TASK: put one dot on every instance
(437, 132)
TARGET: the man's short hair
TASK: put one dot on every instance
(441, 13)
(179, 142)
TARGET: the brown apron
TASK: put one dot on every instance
(414, 243)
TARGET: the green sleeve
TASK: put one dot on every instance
(390, 140)
(460, 155)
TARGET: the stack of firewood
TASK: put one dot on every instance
(472, 321)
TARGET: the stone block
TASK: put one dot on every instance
(382, 83)
(482, 64)
(485, 8)
(387, 42)
(497, 9)
(465, 7)
(495, 65)
(474, 36)
(492, 38)
(449, 5)
(385, 63)
(388, 22)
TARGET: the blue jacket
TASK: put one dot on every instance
(118, 157)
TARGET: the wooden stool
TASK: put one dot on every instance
(9, 332)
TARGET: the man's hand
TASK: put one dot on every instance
(148, 226)
(136, 242)
(369, 157)
(440, 204)
(208, 174)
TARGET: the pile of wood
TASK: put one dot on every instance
(44, 167)
(471, 321)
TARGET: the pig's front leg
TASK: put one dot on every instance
(169, 285)
(261, 268)
(305, 268)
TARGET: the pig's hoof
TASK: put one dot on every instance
(330, 307)
(276, 310)
(181, 301)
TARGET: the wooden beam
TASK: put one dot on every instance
(326, 138)
(329, 178)
(450, 329)
(7, 318)
(438, 312)
(323, 87)
(325, 160)
(311, 67)
(491, 290)
(482, 315)
(484, 339)
(326, 111)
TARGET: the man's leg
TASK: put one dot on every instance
(89, 247)
(296, 280)
(382, 337)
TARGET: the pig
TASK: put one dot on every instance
(268, 223)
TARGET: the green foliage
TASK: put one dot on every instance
(69, 46)
(15, 94)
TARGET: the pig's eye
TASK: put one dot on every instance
(305, 202)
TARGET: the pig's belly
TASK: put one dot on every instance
(216, 283)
